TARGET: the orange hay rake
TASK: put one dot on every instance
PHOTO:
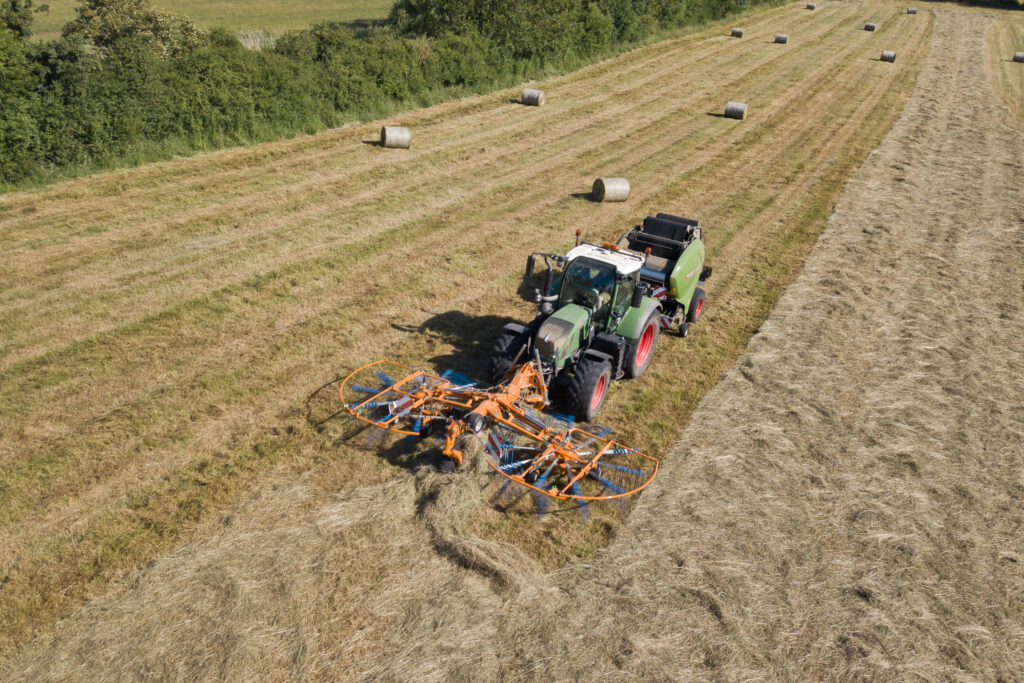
(549, 456)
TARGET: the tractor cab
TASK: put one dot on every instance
(600, 279)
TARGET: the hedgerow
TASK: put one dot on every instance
(127, 82)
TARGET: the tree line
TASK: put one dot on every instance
(127, 82)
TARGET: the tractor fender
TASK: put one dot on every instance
(516, 328)
(633, 322)
(599, 356)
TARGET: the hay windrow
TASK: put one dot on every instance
(843, 504)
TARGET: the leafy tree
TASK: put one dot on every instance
(19, 134)
(16, 16)
(110, 24)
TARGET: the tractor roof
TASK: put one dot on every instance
(625, 262)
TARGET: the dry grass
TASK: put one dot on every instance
(1005, 36)
(845, 503)
(164, 326)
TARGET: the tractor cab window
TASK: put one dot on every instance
(623, 296)
(590, 284)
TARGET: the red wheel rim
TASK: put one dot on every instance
(602, 384)
(700, 307)
(643, 351)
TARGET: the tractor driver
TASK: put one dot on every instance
(590, 285)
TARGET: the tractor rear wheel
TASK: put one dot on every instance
(588, 387)
(696, 306)
(509, 346)
(639, 351)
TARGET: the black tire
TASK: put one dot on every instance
(588, 388)
(696, 308)
(635, 364)
(504, 355)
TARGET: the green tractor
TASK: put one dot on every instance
(602, 311)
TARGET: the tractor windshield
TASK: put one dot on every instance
(590, 284)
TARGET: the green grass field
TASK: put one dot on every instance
(272, 16)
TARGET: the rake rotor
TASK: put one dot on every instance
(549, 457)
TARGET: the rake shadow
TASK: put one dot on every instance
(327, 417)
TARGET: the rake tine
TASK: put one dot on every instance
(411, 439)
(607, 483)
(575, 489)
(508, 492)
(542, 502)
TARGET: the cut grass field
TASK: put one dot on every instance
(1003, 39)
(166, 328)
(272, 16)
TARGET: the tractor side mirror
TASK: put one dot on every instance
(530, 263)
(638, 297)
(549, 281)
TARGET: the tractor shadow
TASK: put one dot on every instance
(470, 337)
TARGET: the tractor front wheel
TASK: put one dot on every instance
(588, 387)
(641, 350)
(508, 350)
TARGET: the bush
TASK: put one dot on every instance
(126, 77)
(19, 131)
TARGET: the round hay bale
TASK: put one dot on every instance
(737, 33)
(533, 98)
(395, 137)
(869, 27)
(610, 190)
(810, 5)
(911, 10)
(888, 56)
(781, 38)
(736, 110)
(1018, 56)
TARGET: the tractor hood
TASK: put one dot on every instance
(561, 334)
